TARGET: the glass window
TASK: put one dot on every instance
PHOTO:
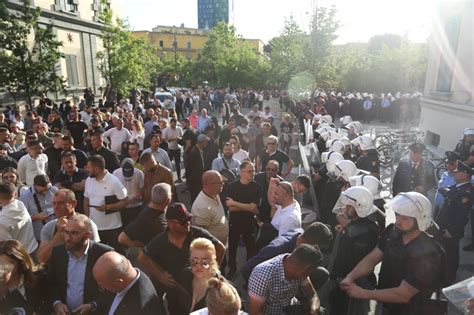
(188, 45)
(71, 70)
(445, 70)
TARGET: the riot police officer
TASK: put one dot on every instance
(357, 236)
(453, 216)
(414, 173)
(413, 263)
(369, 158)
(465, 145)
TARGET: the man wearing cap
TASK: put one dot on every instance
(466, 144)
(133, 180)
(165, 257)
(414, 173)
(195, 166)
(447, 178)
(453, 216)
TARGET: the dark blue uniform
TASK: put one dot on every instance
(453, 217)
(407, 177)
(369, 162)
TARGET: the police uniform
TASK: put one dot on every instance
(453, 217)
(332, 191)
(447, 179)
(421, 263)
(369, 162)
(358, 240)
(408, 175)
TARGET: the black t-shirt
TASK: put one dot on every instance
(78, 176)
(77, 128)
(111, 160)
(171, 258)
(150, 222)
(286, 128)
(189, 134)
(54, 160)
(251, 193)
(278, 156)
(420, 263)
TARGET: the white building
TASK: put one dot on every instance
(77, 25)
(447, 106)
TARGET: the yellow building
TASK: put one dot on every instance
(189, 41)
(77, 25)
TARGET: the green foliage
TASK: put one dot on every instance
(28, 65)
(126, 62)
(287, 53)
(227, 60)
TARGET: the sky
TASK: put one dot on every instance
(263, 19)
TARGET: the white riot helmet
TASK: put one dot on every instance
(345, 120)
(347, 143)
(336, 145)
(331, 159)
(345, 169)
(368, 181)
(412, 204)
(327, 119)
(329, 135)
(358, 197)
(365, 142)
(356, 126)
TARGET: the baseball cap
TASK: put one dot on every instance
(127, 167)
(177, 211)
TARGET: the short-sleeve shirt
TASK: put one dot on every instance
(78, 176)
(169, 132)
(239, 192)
(96, 191)
(133, 184)
(209, 214)
(149, 223)
(268, 283)
(287, 218)
(418, 263)
(171, 258)
(279, 156)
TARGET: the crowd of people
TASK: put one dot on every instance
(95, 217)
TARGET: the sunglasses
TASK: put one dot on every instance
(204, 263)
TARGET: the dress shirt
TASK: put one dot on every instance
(119, 296)
(76, 273)
(203, 122)
(161, 156)
(232, 164)
(29, 167)
(287, 218)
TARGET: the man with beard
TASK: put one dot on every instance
(226, 161)
(97, 143)
(413, 263)
(73, 287)
(104, 197)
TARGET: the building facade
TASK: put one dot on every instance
(184, 40)
(211, 12)
(77, 25)
(447, 106)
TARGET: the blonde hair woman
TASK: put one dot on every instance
(194, 279)
(138, 133)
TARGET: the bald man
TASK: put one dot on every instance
(134, 292)
(207, 209)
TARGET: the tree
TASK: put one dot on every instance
(227, 60)
(286, 53)
(323, 30)
(28, 66)
(126, 62)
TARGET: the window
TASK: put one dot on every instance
(68, 5)
(175, 45)
(445, 70)
(162, 44)
(188, 45)
(71, 69)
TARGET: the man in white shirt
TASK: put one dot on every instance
(133, 180)
(15, 221)
(32, 164)
(172, 134)
(207, 209)
(117, 135)
(288, 211)
(104, 197)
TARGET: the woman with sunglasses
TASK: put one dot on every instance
(10, 175)
(23, 286)
(194, 279)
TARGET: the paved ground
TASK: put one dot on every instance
(466, 268)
